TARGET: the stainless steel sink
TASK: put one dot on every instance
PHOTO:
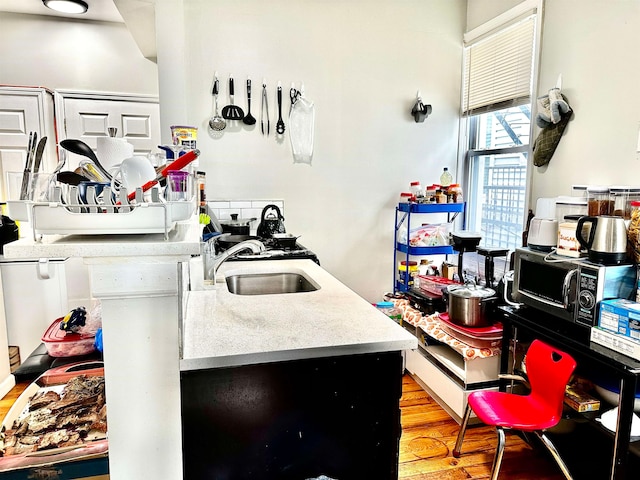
(269, 283)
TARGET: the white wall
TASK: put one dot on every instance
(594, 44)
(362, 62)
(60, 53)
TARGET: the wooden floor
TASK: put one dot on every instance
(428, 436)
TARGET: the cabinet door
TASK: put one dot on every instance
(23, 110)
(88, 116)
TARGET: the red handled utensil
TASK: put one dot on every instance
(177, 164)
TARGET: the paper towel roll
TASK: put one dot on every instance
(111, 151)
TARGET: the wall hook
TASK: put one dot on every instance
(420, 111)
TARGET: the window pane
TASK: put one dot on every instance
(497, 198)
(504, 128)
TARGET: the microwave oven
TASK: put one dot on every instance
(567, 288)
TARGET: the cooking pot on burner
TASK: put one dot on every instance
(237, 226)
(470, 305)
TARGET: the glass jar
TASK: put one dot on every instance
(441, 197)
(598, 201)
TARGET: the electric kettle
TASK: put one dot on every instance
(607, 242)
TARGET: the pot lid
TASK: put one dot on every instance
(470, 291)
(234, 220)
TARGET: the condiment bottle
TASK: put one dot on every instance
(440, 196)
(446, 178)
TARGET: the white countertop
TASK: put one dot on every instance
(184, 239)
(222, 329)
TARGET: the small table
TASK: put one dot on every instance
(570, 338)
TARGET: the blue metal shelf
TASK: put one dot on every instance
(431, 207)
(403, 213)
(436, 250)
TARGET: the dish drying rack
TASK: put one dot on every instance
(147, 213)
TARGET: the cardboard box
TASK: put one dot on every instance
(579, 400)
(616, 342)
(449, 270)
(620, 316)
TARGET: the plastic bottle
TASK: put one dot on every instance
(405, 197)
(446, 178)
(416, 190)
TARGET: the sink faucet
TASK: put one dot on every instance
(255, 246)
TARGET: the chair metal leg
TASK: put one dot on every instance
(497, 460)
(463, 428)
(556, 455)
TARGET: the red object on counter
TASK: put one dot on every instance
(66, 344)
(177, 164)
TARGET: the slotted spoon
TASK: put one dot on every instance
(216, 122)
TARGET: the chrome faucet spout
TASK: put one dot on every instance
(255, 246)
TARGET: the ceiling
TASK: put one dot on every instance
(99, 10)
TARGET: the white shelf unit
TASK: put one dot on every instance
(449, 377)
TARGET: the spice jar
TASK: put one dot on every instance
(441, 197)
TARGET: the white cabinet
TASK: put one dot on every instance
(450, 374)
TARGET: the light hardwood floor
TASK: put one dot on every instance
(428, 436)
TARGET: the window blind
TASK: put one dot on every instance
(498, 69)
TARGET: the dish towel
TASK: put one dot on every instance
(553, 116)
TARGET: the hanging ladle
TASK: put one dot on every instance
(80, 148)
(216, 123)
(249, 119)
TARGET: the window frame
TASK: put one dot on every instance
(468, 130)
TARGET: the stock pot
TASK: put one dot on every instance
(470, 305)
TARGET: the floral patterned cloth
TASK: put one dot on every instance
(430, 325)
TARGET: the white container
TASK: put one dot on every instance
(570, 206)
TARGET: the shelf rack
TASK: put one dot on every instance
(403, 213)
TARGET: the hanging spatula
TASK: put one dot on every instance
(232, 111)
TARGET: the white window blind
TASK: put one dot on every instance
(498, 69)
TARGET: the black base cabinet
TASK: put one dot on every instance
(336, 416)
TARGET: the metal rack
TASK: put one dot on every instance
(403, 213)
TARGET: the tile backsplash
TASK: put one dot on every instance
(244, 208)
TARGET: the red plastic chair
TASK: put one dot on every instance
(548, 371)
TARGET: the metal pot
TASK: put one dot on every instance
(237, 226)
(469, 305)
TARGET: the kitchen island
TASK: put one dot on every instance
(290, 385)
(155, 354)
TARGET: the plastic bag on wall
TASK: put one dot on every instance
(301, 127)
